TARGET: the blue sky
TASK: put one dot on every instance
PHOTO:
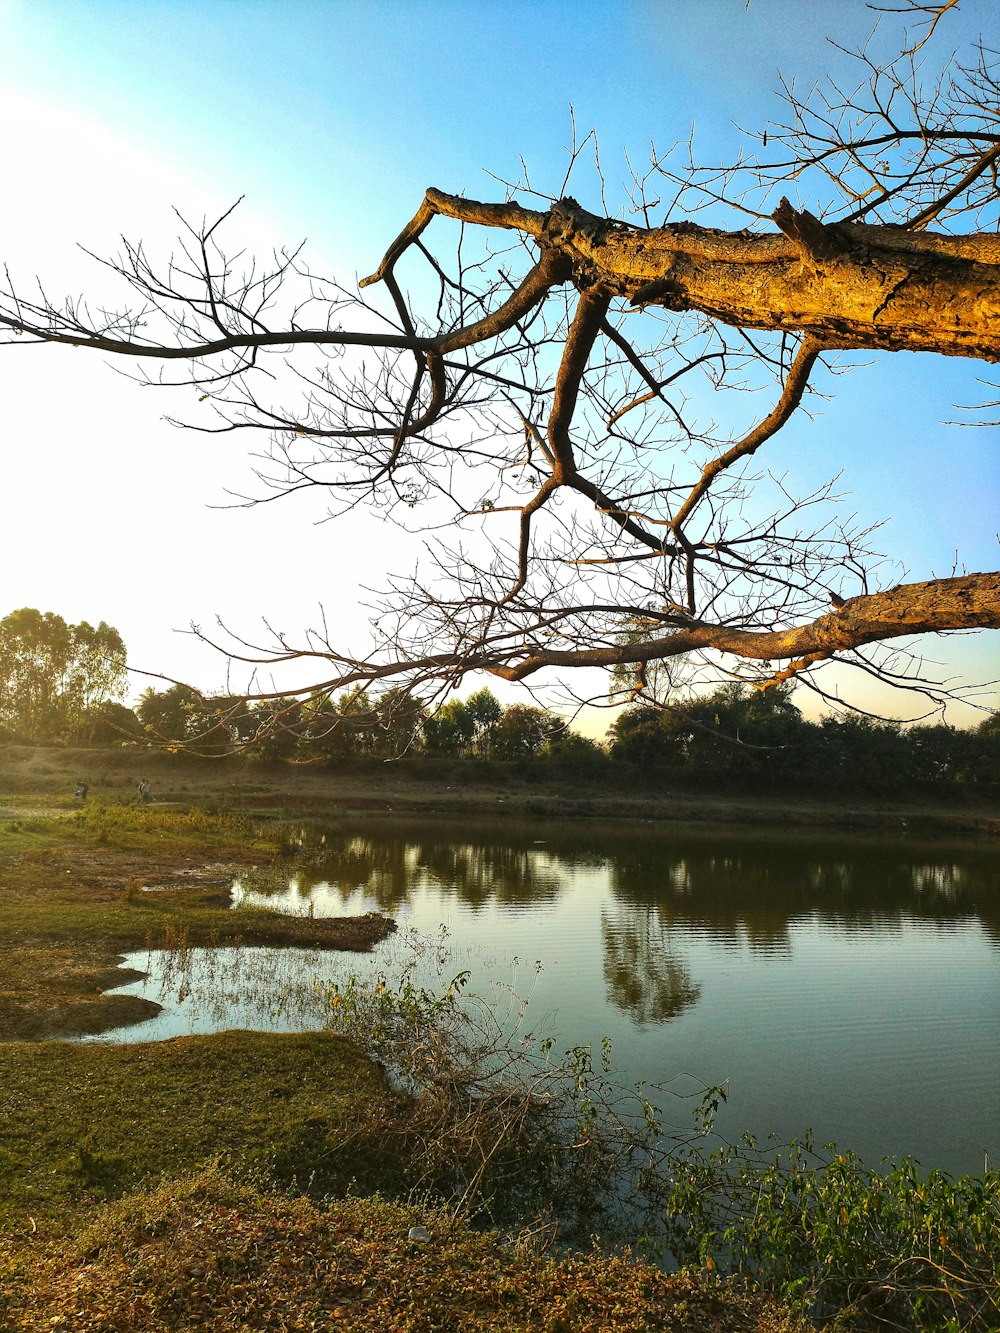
(332, 119)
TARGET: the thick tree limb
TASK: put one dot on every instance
(968, 602)
(852, 285)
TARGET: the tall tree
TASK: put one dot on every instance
(166, 714)
(53, 675)
(339, 728)
(400, 722)
(522, 731)
(543, 403)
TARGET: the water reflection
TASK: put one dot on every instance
(746, 890)
(389, 870)
(645, 977)
(847, 985)
(205, 990)
(756, 893)
(944, 882)
(265, 987)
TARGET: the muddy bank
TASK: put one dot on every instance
(74, 898)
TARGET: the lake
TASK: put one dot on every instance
(842, 984)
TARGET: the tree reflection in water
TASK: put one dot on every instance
(643, 976)
(848, 984)
(752, 893)
(736, 888)
(739, 884)
(390, 869)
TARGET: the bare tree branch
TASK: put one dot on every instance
(547, 427)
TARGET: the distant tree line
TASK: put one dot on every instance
(354, 725)
(61, 683)
(737, 737)
(732, 739)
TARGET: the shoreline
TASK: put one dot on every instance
(72, 900)
(307, 1106)
(771, 813)
(40, 781)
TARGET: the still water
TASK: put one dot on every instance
(846, 986)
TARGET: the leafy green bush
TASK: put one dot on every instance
(854, 1247)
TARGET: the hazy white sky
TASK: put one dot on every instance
(332, 118)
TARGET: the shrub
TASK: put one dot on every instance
(505, 1128)
(857, 1247)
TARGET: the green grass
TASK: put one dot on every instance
(86, 1123)
(133, 825)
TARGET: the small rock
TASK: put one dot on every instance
(420, 1233)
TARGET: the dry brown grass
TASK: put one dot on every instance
(205, 1254)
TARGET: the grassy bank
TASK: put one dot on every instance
(83, 1124)
(213, 1183)
(244, 1180)
(79, 889)
(44, 778)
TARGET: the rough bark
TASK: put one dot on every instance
(849, 285)
(968, 602)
